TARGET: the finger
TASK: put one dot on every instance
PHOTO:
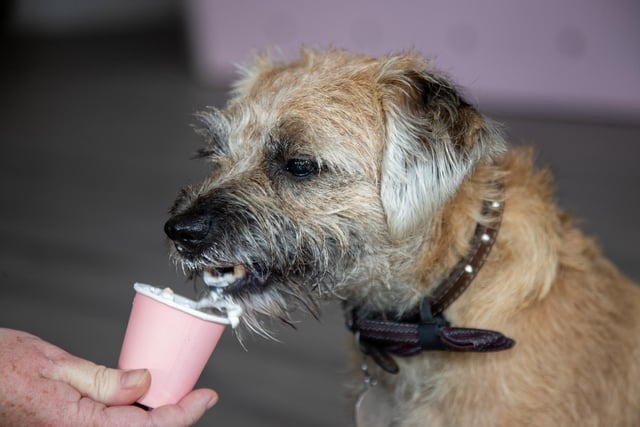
(102, 384)
(186, 412)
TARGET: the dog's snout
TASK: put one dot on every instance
(189, 231)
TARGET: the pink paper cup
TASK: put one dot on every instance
(169, 336)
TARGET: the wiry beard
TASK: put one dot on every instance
(301, 274)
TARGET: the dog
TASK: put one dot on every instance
(473, 298)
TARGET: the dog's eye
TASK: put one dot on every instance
(302, 168)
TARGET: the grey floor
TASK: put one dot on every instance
(95, 143)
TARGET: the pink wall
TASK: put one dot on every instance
(580, 57)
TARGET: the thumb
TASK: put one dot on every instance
(105, 385)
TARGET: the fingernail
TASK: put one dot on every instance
(212, 401)
(133, 379)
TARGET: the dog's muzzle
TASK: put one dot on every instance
(193, 235)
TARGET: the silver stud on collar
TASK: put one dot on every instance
(485, 238)
(468, 268)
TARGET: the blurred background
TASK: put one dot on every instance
(97, 98)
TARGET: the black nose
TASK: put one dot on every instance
(190, 232)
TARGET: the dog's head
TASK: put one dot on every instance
(326, 172)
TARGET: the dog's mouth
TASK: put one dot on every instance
(236, 279)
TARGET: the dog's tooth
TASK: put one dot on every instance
(217, 279)
(239, 271)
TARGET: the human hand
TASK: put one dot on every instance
(41, 384)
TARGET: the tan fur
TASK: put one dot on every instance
(575, 318)
(404, 164)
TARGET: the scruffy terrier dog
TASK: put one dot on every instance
(373, 181)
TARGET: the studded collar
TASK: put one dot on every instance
(428, 329)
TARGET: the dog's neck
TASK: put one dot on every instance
(426, 328)
(465, 271)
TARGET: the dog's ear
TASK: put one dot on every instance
(433, 139)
